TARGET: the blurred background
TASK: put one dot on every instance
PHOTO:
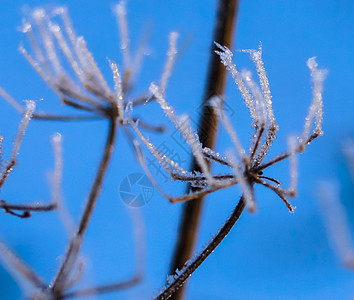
(271, 254)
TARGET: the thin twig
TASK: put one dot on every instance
(75, 243)
(285, 155)
(103, 289)
(54, 117)
(216, 82)
(188, 270)
(37, 206)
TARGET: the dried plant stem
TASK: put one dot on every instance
(75, 243)
(216, 82)
(103, 289)
(190, 268)
(285, 155)
(53, 117)
(26, 208)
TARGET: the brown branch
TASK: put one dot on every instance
(285, 155)
(53, 117)
(103, 289)
(188, 270)
(26, 208)
(216, 82)
(75, 243)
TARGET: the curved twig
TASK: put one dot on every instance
(188, 269)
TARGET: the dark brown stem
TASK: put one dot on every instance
(26, 208)
(188, 270)
(53, 117)
(75, 243)
(216, 82)
(99, 110)
(256, 145)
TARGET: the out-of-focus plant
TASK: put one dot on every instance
(335, 214)
(69, 69)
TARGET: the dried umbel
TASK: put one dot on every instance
(63, 60)
(69, 69)
(246, 167)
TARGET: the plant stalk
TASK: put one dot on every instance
(76, 241)
(208, 128)
(172, 289)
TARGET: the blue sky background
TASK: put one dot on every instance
(268, 255)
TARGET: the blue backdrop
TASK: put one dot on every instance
(268, 255)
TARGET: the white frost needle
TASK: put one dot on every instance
(57, 195)
(169, 165)
(35, 65)
(226, 58)
(316, 108)
(192, 140)
(30, 106)
(260, 108)
(182, 125)
(141, 52)
(171, 57)
(69, 29)
(92, 69)
(232, 133)
(11, 101)
(28, 30)
(256, 56)
(141, 160)
(121, 15)
(64, 46)
(118, 91)
(215, 156)
(40, 18)
(172, 199)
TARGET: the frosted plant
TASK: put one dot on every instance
(68, 67)
(63, 60)
(245, 167)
